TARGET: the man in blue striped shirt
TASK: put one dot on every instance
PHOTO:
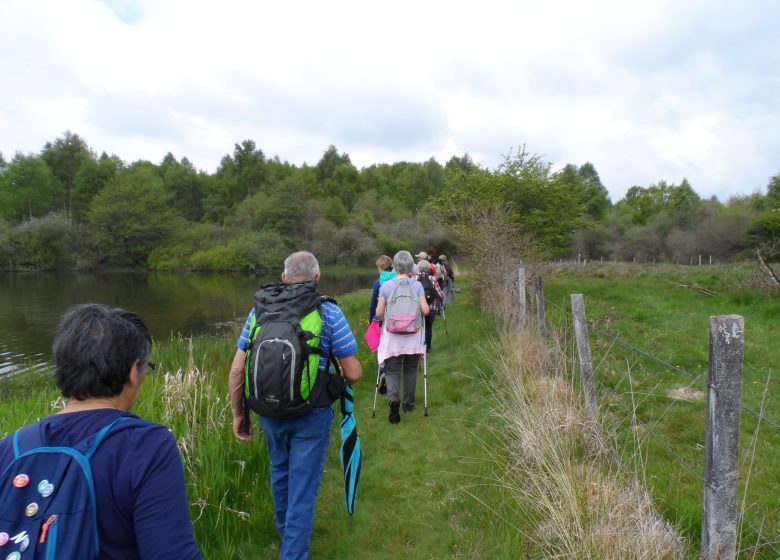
(297, 446)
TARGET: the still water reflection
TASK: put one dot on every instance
(31, 304)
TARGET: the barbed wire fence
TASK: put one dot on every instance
(631, 394)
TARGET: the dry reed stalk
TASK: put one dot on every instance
(190, 398)
(558, 466)
(554, 462)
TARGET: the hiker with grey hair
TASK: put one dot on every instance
(101, 359)
(400, 353)
(296, 424)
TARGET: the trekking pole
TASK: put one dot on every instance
(425, 381)
(376, 390)
(444, 318)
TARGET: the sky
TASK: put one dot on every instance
(646, 91)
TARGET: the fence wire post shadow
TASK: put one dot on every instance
(721, 451)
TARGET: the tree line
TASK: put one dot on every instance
(67, 207)
(568, 213)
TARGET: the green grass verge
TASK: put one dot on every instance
(425, 483)
(647, 307)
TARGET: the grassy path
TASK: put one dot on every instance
(411, 502)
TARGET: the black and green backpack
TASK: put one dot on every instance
(282, 375)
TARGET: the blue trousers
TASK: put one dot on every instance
(297, 448)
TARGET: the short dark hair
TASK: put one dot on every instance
(95, 348)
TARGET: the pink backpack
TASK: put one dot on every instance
(403, 314)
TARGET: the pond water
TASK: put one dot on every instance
(169, 303)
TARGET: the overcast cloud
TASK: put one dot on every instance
(646, 91)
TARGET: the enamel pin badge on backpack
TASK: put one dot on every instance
(47, 498)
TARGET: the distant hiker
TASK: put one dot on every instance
(384, 266)
(433, 295)
(421, 256)
(440, 271)
(449, 288)
(136, 480)
(401, 306)
(292, 325)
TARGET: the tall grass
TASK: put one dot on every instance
(649, 307)
(578, 502)
(571, 497)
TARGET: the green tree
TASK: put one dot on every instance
(28, 189)
(435, 175)
(773, 193)
(411, 185)
(375, 178)
(282, 209)
(131, 216)
(642, 203)
(765, 233)
(65, 157)
(185, 186)
(91, 178)
(459, 165)
(537, 202)
(597, 201)
(329, 162)
(337, 177)
(238, 176)
(334, 210)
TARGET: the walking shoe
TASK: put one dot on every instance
(394, 416)
(382, 385)
(408, 408)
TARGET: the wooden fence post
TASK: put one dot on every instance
(721, 450)
(540, 319)
(583, 350)
(521, 293)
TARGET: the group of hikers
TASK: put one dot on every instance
(95, 481)
(404, 303)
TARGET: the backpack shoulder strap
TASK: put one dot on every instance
(101, 435)
(26, 438)
(29, 437)
(335, 385)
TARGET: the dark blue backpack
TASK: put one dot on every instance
(47, 498)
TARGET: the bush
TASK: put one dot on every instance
(189, 238)
(43, 243)
(221, 258)
(263, 251)
(6, 250)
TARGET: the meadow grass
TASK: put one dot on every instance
(427, 488)
(647, 306)
(507, 465)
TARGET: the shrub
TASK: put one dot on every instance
(262, 251)
(219, 258)
(43, 243)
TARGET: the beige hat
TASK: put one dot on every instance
(422, 255)
(442, 258)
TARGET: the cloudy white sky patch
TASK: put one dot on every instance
(646, 91)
